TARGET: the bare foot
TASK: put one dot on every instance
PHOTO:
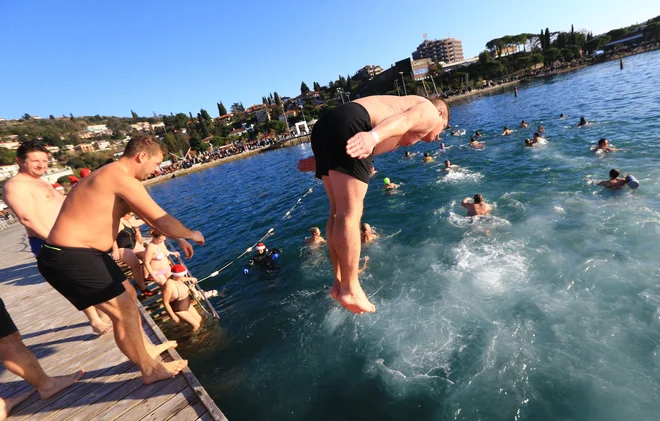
(334, 292)
(155, 350)
(356, 301)
(6, 405)
(101, 329)
(164, 371)
(59, 383)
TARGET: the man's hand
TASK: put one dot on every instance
(197, 237)
(307, 164)
(115, 254)
(361, 145)
(188, 251)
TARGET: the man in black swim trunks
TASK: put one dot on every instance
(344, 140)
(75, 259)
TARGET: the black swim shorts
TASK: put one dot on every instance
(7, 326)
(329, 138)
(84, 276)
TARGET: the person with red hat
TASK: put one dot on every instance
(176, 298)
(264, 258)
(84, 172)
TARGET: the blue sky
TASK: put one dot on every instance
(109, 56)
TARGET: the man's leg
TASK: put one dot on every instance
(18, 359)
(349, 193)
(334, 292)
(122, 310)
(96, 322)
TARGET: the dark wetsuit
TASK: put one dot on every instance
(7, 326)
(84, 276)
(329, 138)
(126, 238)
(265, 261)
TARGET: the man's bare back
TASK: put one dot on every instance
(477, 208)
(35, 202)
(616, 184)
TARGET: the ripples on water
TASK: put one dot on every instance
(553, 316)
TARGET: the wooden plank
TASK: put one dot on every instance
(180, 401)
(211, 407)
(155, 401)
(190, 413)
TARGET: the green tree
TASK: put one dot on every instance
(52, 117)
(317, 87)
(546, 41)
(264, 100)
(303, 88)
(237, 108)
(134, 116)
(197, 144)
(205, 115)
(652, 31)
(7, 156)
(573, 40)
(552, 55)
(278, 101)
(26, 116)
(349, 84)
(484, 57)
(617, 34)
(542, 41)
(221, 109)
(203, 127)
(275, 113)
(218, 141)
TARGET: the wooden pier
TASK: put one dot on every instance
(62, 340)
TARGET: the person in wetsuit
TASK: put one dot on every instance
(265, 259)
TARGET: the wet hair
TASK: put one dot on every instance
(602, 141)
(528, 141)
(537, 134)
(27, 147)
(144, 143)
(614, 173)
(506, 128)
(156, 234)
(315, 229)
(447, 162)
(426, 154)
(523, 122)
(472, 140)
(441, 102)
(583, 120)
(478, 198)
(561, 115)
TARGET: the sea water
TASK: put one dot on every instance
(547, 310)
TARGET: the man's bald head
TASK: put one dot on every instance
(442, 106)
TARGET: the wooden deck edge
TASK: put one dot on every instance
(204, 397)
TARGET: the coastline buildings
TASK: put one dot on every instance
(369, 71)
(446, 50)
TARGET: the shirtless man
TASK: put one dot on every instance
(604, 146)
(614, 183)
(506, 131)
(475, 144)
(36, 204)
(316, 238)
(344, 141)
(389, 185)
(75, 259)
(478, 207)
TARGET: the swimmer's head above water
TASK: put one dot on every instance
(614, 174)
(603, 143)
(478, 198)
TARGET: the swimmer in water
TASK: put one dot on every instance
(373, 171)
(562, 115)
(523, 124)
(442, 146)
(538, 138)
(477, 134)
(615, 182)
(583, 122)
(389, 185)
(449, 167)
(316, 238)
(529, 142)
(506, 131)
(475, 144)
(604, 146)
(427, 157)
(477, 207)
(408, 154)
(540, 129)
(367, 234)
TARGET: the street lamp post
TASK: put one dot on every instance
(403, 82)
(396, 83)
(348, 96)
(340, 91)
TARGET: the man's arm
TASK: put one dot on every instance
(417, 121)
(138, 200)
(466, 203)
(21, 202)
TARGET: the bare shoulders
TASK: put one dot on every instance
(380, 107)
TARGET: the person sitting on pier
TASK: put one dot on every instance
(75, 260)
(156, 258)
(176, 298)
(129, 249)
(523, 124)
(367, 234)
(36, 205)
(316, 238)
(264, 258)
(603, 146)
(506, 131)
(583, 122)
